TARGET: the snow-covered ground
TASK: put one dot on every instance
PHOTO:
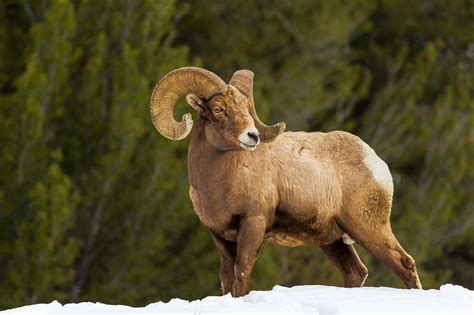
(309, 299)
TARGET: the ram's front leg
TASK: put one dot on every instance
(227, 253)
(249, 239)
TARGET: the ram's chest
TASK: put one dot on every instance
(212, 213)
(228, 190)
(216, 206)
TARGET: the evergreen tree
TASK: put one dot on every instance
(37, 198)
(94, 204)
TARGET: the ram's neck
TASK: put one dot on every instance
(206, 164)
(198, 145)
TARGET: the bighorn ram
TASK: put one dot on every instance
(251, 183)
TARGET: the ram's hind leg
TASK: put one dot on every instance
(383, 245)
(348, 262)
(368, 224)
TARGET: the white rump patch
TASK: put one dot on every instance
(346, 239)
(377, 167)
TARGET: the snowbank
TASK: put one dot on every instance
(309, 299)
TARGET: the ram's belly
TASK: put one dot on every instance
(288, 239)
(290, 231)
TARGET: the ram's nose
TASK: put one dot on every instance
(249, 139)
(254, 135)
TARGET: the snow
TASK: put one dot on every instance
(308, 299)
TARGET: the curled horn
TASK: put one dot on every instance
(173, 86)
(243, 81)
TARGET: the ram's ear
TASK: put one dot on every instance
(195, 102)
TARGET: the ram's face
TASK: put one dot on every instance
(228, 123)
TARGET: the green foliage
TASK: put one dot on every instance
(38, 200)
(94, 203)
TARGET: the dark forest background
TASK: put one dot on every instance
(94, 202)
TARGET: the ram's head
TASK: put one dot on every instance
(228, 110)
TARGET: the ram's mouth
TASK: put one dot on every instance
(248, 147)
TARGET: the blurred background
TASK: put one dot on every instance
(94, 202)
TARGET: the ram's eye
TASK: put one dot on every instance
(218, 110)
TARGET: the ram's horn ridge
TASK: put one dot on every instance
(243, 81)
(174, 85)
